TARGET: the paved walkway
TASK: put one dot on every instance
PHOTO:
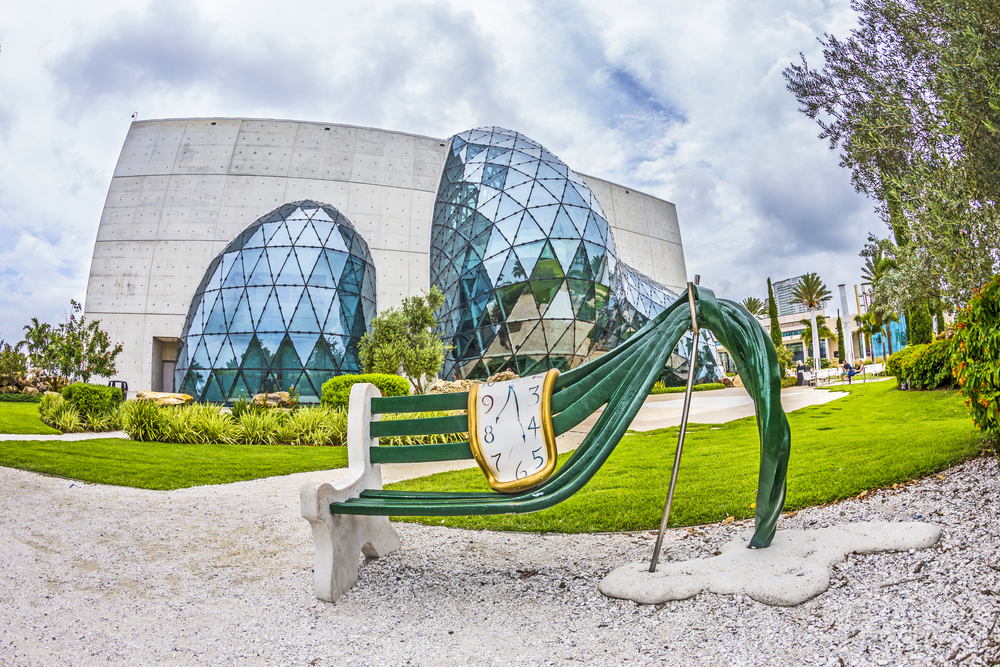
(65, 437)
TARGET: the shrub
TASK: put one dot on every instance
(315, 426)
(788, 382)
(922, 366)
(337, 390)
(57, 412)
(20, 398)
(92, 398)
(976, 356)
(143, 421)
(259, 428)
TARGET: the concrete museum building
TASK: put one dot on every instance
(236, 255)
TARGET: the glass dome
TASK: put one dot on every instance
(283, 305)
(526, 259)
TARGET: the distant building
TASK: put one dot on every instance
(783, 297)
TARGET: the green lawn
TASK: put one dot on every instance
(875, 437)
(159, 465)
(22, 419)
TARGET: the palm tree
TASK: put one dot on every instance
(811, 291)
(866, 329)
(822, 329)
(755, 306)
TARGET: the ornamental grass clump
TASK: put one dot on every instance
(144, 421)
(432, 439)
(57, 412)
(976, 357)
(260, 427)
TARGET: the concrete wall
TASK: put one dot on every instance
(184, 188)
(647, 234)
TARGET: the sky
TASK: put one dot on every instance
(682, 100)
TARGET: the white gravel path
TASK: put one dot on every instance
(220, 575)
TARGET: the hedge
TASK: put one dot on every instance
(976, 357)
(337, 391)
(922, 366)
(20, 398)
(93, 399)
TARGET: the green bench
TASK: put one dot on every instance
(351, 516)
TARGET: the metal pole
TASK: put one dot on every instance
(683, 429)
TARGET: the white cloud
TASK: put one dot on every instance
(684, 100)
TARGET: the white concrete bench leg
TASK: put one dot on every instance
(340, 537)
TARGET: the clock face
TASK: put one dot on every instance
(510, 429)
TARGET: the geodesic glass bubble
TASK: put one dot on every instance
(283, 305)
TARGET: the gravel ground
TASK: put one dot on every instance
(221, 575)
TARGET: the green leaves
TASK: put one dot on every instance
(811, 291)
(976, 356)
(403, 339)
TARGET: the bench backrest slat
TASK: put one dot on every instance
(451, 451)
(420, 403)
(425, 426)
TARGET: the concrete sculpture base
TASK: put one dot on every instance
(795, 568)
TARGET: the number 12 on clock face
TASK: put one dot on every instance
(510, 431)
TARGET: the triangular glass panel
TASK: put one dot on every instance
(320, 214)
(572, 198)
(565, 250)
(520, 193)
(544, 216)
(321, 276)
(578, 294)
(525, 309)
(336, 240)
(215, 320)
(321, 300)
(541, 197)
(509, 297)
(213, 392)
(256, 240)
(270, 319)
(528, 232)
(277, 258)
(269, 344)
(528, 255)
(290, 273)
(226, 379)
(286, 358)
(545, 291)
(337, 261)
(227, 358)
(579, 217)
(295, 228)
(512, 272)
(253, 381)
(496, 244)
(288, 297)
(563, 228)
(236, 277)
(545, 171)
(547, 266)
(320, 359)
(304, 319)
(323, 230)
(212, 346)
(593, 233)
(261, 273)
(275, 234)
(309, 237)
(317, 378)
(560, 308)
(507, 207)
(242, 320)
(535, 342)
(307, 260)
(508, 227)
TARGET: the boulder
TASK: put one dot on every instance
(52, 393)
(163, 398)
(30, 391)
(7, 389)
(446, 387)
(728, 381)
(278, 399)
(737, 382)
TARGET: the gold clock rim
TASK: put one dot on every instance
(548, 438)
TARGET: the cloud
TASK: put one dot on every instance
(8, 118)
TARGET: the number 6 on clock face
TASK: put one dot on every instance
(510, 431)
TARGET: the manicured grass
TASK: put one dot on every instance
(875, 437)
(22, 419)
(160, 465)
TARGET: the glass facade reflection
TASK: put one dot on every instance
(525, 257)
(284, 304)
